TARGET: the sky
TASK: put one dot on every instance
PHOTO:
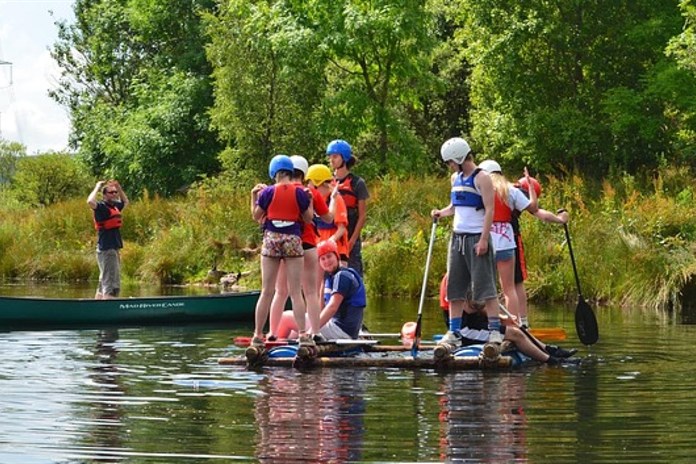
(27, 114)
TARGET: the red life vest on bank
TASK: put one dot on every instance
(114, 221)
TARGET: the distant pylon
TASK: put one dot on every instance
(3, 86)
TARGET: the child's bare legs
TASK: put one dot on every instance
(506, 274)
(279, 299)
(293, 268)
(310, 290)
(521, 299)
(525, 345)
(269, 273)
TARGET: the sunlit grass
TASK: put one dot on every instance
(633, 246)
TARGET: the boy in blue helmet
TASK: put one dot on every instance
(354, 192)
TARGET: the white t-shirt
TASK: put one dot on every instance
(502, 235)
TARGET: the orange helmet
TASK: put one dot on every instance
(524, 186)
(327, 246)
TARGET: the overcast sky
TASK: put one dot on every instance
(27, 114)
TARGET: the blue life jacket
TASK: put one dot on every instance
(357, 298)
(464, 191)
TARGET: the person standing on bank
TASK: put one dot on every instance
(470, 260)
(354, 192)
(108, 221)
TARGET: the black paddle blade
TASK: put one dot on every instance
(417, 337)
(586, 323)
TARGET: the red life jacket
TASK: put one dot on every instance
(345, 188)
(114, 221)
(502, 212)
(284, 206)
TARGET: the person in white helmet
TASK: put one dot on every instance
(470, 261)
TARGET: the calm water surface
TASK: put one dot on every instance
(145, 395)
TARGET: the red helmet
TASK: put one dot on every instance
(524, 186)
(327, 246)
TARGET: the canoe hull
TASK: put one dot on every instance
(43, 313)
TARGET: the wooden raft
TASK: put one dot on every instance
(385, 362)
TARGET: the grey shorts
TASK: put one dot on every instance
(331, 331)
(109, 272)
(470, 277)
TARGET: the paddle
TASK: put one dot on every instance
(521, 327)
(417, 337)
(585, 320)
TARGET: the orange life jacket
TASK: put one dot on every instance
(114, 221)
(345, 188)
(284, 206)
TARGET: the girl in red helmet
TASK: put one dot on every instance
(344, 298)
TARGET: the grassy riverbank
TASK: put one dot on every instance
(634, 242)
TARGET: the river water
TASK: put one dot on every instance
(158, 395)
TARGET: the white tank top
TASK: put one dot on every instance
(468, 220)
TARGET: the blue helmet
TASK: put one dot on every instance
(340, 147)
(279, 163)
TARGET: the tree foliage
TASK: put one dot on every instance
(380, 70)
(48, 178)
(10, 154)
(137, 84)
(268, 71)
(577, 84)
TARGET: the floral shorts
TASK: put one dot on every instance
(279, 245)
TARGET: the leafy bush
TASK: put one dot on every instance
(49, 178)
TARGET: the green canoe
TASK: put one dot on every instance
(46, 313)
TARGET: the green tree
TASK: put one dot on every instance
(571, 84)
(136, 81)
(48, 178)
(10, 154)
(683, 49)
(380, 67)
(268, 74)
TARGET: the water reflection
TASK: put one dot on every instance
(106, 409)
(311, 417)
(482, 417)
(158, 395)
(586, 409)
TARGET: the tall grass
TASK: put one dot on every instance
(634, 240)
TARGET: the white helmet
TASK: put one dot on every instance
(455, 149)
(300, 163)
(490, 166)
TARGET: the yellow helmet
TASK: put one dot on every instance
(318, 174)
